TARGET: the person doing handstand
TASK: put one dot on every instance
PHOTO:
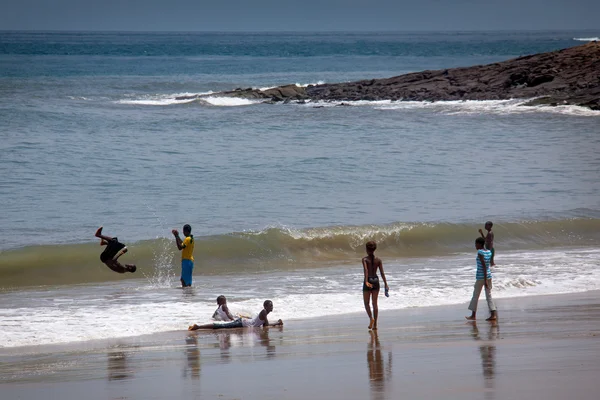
(114, 250)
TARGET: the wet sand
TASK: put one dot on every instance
(545, 347)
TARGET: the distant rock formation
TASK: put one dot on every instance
(570, 76)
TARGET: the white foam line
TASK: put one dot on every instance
(162, 99)
(457, 107)
(303, 85)
(229, 101)
(590, 39)
(309, 84)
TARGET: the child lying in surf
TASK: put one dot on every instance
(259, 320)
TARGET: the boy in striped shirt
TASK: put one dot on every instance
(483, 280)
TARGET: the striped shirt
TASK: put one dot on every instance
(487, 256)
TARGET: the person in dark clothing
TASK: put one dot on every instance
(114, 250)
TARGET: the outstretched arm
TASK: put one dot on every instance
(265, 320)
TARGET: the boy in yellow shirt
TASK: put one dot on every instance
(187, 254)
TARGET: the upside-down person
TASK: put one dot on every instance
(114, 250)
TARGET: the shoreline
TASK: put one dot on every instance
(542, 347)
(443, 314)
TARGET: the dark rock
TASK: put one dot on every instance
(539, 79)
(568, 76)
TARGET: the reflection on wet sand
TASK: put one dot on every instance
(224, 339)
(117, 366)
(267, 342)
(192, 353)
(246, 337)
(378, 371)
(487, 351)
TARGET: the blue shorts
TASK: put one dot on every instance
(187, 266)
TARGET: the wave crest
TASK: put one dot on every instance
(278, 248)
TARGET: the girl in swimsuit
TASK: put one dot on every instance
(371, 282)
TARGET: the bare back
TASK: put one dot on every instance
(372, 265)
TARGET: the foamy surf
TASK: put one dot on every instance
(587, 39)
(297, 85)
(229, 101)
(158, 100)
(133, 308)
(162, 99)
(281, 248)
(464, 107)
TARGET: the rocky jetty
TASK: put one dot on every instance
(570, 76)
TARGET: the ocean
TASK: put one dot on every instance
(283, 197)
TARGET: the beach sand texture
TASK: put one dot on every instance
(543, 347)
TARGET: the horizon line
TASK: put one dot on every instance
(298, 31)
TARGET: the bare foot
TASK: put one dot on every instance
(371, 323)
(492, 318)
(131, 267)
(98, 232)
(470, 318)
(192, 327)
(103, 242)
(375, 327)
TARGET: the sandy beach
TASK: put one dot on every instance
(543, 347)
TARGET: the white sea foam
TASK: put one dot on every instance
(171, 99)
(133, 308)
(297, 84)
(78, 98)
(309, 84)
(587, 39)
(161, 99)
(229, 101)
(465, 107)
(267, 88)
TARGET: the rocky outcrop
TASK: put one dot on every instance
(569, 76)
(280, 93)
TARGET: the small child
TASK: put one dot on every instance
(483, 278)
(222, 312)
(489, 240)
